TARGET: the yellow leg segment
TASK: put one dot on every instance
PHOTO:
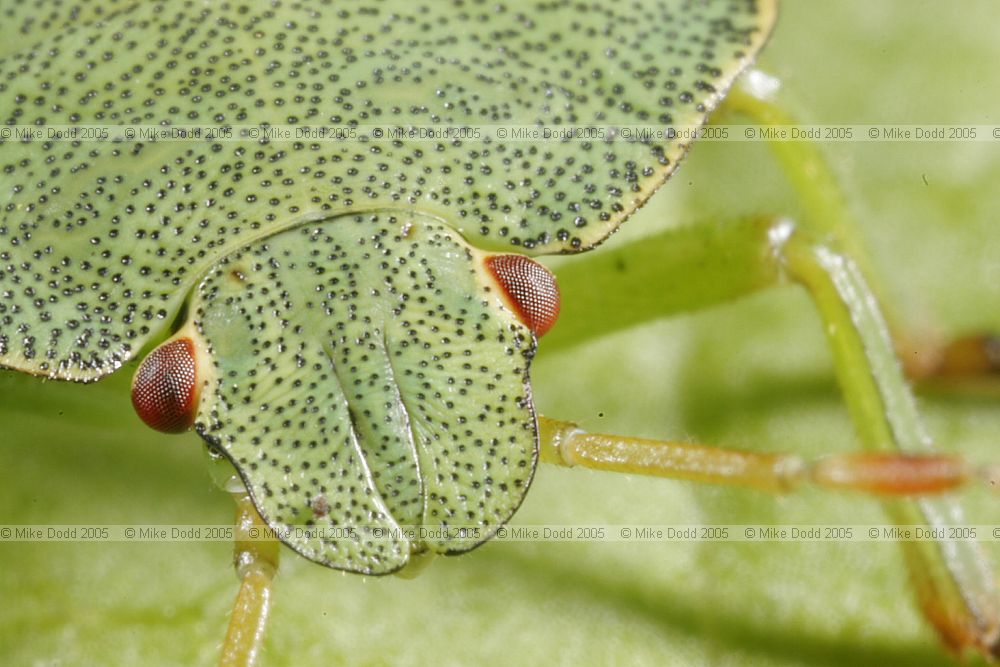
(256, 560)
(889, 474)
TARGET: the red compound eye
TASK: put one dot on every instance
(164, 388)
(531, 289)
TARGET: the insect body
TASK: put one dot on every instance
(156, 217)
(359, 349)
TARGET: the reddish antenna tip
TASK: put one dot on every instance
(531, 289)
(164, 388)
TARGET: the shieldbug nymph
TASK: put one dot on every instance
(366, 328)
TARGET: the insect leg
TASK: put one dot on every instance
(966, 363)
(256, 560)
(709, 264)
(694, 267)
(565, 444)
(960, 363)
(954, 582)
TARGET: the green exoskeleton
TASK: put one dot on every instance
(348, 319)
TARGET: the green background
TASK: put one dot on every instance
(754, 374)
